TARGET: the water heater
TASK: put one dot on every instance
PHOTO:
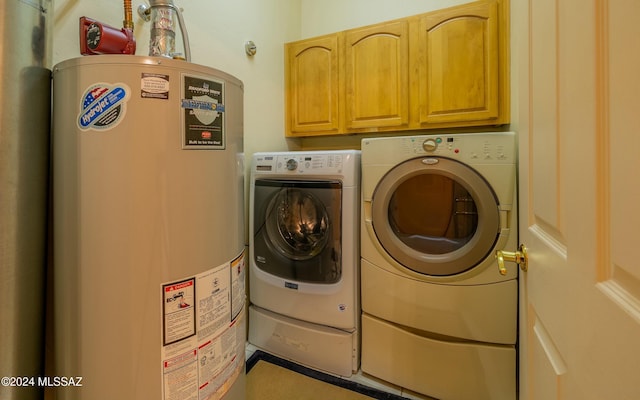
(148, 229)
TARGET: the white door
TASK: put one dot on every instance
(578, 113)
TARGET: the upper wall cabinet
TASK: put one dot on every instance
(312, 90)
(459, 67)
(443, 69)
(376, 76)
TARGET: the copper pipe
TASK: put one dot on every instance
(128, 18)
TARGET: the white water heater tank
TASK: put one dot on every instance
(148, 229)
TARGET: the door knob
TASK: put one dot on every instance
(519, 257)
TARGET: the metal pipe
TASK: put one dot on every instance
(183, 29)
(185, 37)
(128, 15)
(25, 109)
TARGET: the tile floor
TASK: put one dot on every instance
(367, 380)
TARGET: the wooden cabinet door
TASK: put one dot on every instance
(312, 86)
(376, 78)
(458, 64)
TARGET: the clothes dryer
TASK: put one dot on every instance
(304, 257)
(438, 316)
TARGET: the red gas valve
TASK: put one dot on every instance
(99, 38)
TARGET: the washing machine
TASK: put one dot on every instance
(438, 316)
(304, 257)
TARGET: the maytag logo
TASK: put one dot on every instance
(291, 285)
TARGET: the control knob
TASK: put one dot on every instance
(292, 164)
(429, 145)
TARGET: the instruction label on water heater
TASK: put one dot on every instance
(203, 113)
(154, 86)
(203, 338)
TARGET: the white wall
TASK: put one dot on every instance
(327, 16)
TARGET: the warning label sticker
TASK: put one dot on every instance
(204, 332)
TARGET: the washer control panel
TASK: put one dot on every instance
(299, 163)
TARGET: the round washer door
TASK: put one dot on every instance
(298, 224)
(435, 216)
(297, 229)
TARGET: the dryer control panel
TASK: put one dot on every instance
(471, 148)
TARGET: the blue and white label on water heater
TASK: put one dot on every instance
(103, 106)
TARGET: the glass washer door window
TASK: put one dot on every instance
(298, 224)
(297, 229)
(435, 216)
